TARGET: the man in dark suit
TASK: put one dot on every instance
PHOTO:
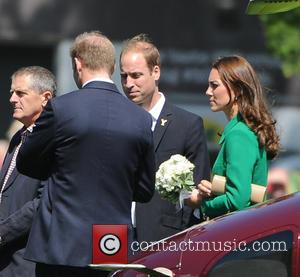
(31, 88)
(96, 148)
(176, 131)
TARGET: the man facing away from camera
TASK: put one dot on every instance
(96, 148)
(31, 88)
(175, 131)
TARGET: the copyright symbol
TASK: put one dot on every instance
(109, 244)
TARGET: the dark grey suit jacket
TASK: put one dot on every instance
(19, 202)
(176, 132)
(96, 147)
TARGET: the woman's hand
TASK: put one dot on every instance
(203, 190)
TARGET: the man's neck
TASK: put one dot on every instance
(148, 106)
(99, 75)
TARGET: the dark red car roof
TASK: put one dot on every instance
(247, 225)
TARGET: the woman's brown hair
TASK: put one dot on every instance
(238, 75)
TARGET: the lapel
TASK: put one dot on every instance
(11, 178)
(6, 163)
(230, 125)
(10, 152)
(162, 124)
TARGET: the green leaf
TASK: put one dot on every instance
(282, 32)
(259, 7)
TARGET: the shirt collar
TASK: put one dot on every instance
(24, 132)
(156, 109)
(30, 128)
(101, 79)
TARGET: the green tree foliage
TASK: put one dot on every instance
(282, 32)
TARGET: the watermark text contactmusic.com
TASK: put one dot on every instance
(110, 245)
(222, 246)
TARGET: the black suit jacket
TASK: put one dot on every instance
(19, 202)
(96, 148)
(176, 132)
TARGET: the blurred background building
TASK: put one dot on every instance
(189, 34)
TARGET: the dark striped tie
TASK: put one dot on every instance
(12, 163)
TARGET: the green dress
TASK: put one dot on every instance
(243, 163)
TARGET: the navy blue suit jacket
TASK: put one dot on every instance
(96, 148)
(19, 203)
(176, 132)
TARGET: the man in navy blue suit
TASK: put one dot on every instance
(96, 149)
(31, 88)
(175, 130)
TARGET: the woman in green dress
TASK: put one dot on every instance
(249, 139)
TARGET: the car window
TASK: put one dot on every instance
(267, 256)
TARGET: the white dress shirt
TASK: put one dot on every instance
(101, 79)
(155, 112)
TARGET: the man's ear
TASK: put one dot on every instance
(45, 97)
(78, 64)
(156, 72)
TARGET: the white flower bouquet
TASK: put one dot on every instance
(174, 179)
